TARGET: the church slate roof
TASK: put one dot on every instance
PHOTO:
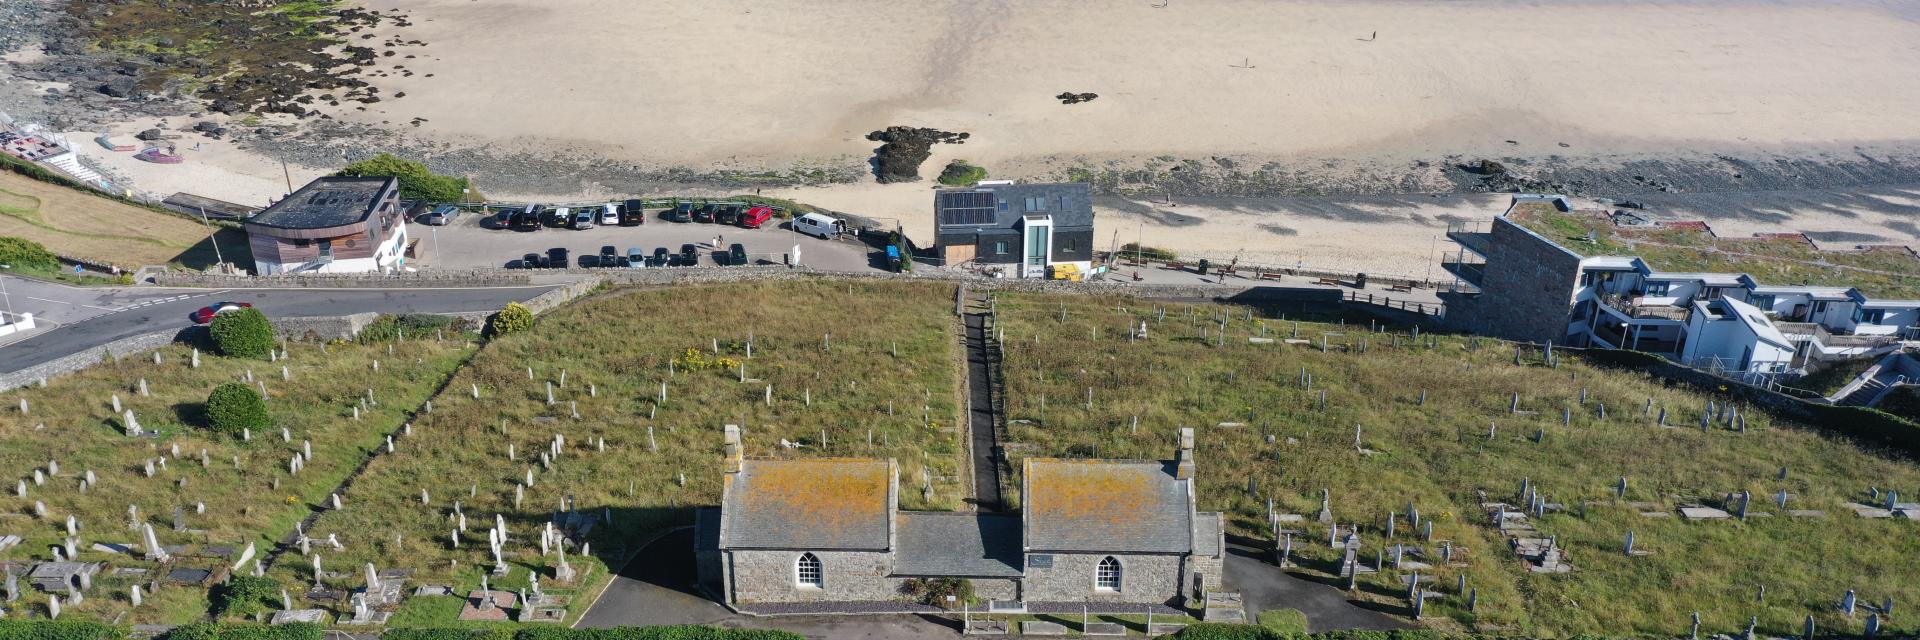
(821, 504)
(1107, 506)
(968, 545)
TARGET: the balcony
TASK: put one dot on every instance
(1471, 269)
(1638, 309)
(1610, 334)
(1473, 236)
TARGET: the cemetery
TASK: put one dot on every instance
(427, 479)
(1474, 485)
(126, 505)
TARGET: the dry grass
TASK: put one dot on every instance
(1440, 457)
(71, 422)
(614, 350)
(82, 225)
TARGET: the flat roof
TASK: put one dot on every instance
(331, 201)
(1710, 279)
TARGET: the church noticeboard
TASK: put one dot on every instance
(1040, 561)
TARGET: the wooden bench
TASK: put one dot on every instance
(1330, 281)
(1402, 288)
(1271, 276)
(1176, 266)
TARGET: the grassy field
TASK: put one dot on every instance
(1883, 272)
(1263, 436)
(244, 485)
(78, 224)
(890, 343)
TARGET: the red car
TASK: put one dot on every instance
(754, 217)
(206, 313)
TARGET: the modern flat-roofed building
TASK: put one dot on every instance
(331, 225)
(1016, 230)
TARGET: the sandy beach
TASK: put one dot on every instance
(1375, 99)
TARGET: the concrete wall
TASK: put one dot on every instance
(768, 576)
(1527, 292)
(105, 353)
(1143, 579)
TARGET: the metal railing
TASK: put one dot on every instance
(1631, 308)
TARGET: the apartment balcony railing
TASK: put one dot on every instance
(1471, 235)
(1637, 308)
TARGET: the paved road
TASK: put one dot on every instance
(1264, 586)
(85, 318)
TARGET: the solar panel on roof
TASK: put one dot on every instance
(966, 208)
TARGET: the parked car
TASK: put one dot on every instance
(206, 313)
(557, 256)
(441, 215)
(558, 217)
(704, 213)
(528, 220)
(689, 255)
(530, 261)
(589, 261)
(682, 212)
(633, 212)
(636, 257)
(728, 214)
(660, 258)
(583, 219)
(610, 215)
(814, 224)
(543, 263)
(737, 254)
(755, 217)
(608, 253)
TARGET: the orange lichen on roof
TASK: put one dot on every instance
(1091, 491)
(831, 494)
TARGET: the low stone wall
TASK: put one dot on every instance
(475, 278)
(77, 361)
(323, 327)
(558, 296)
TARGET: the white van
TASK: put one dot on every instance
(814, 224)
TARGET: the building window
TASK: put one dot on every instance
(806, 572)
(1107, 576)
(1763, 302)
(1657, 289)
(1000, 248)
(1870, 316)
(302, 243)
(1036, 204)
(1066, 245)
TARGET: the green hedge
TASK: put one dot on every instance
(679, 632)
(246, 631)
(233, 408)
(417, 182)
(58, 630)
(1219, 631)
(246, 333)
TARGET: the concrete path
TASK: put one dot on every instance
(1264, 586)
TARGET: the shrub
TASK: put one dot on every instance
(1150, 253)
(513, 319)
(244, 595)
(961, 174)
(906, 252)
(246, 333)
(42, 629)
(934, 591)
(417, 182)
(21, 253)
(388, 328)
(233, 406)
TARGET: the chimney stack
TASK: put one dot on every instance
(736, 457)
(1183, 462)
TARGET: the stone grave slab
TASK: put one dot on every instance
(1290, 517)
(1865, 511)
(502, 602)
(8, 541)
(189, 576)
(553, 615)
(136, 573)
(987, 628)
(374, 618)
(1104, 629)
(314, 616)
(1158, 629)
(1042, 628)
(218, 551)
(1703, 513)
(433, 590)
(122, 548)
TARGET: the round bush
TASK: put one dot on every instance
(246, 333)
(234, 406)
(243, 595)
(513, 319)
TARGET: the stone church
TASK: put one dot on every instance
(830, 530)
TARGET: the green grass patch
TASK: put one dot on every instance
(1287, 621)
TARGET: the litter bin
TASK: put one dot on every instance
(1360, 281)
(1203, 266)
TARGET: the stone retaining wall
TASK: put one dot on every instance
(80, 360)
(475, 278)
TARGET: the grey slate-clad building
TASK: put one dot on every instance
(829, 530)
(332, 225)
(1020, 229)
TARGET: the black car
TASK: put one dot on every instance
(633, 212)
(558, 256)
(542, 263)
(689, 255)
(661, 258)
(704, 213)
(682, 212)
(736, 254)
(729, 214)
(589, 261)
(557, 217)
(530, 261)
(526, 220)
(607, 253)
